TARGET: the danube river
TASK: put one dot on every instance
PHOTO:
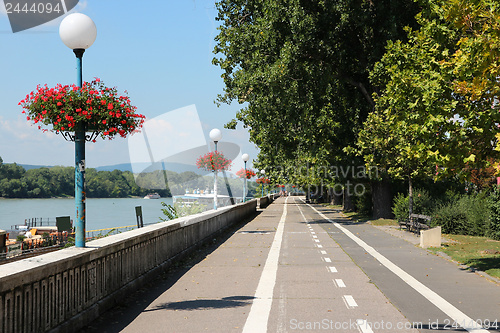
(101, 213)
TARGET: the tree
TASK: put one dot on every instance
(301, 69)
(436, 114)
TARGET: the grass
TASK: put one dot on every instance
(357, 217)
(384, 222)
(479, 252)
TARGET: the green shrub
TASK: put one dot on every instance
(70, 242)
(451, 218)
(423, 203)
(493, 229)
(468, 215)
(476, 210)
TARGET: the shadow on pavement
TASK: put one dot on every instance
(205, 304)
(126, 310)
(356, 219)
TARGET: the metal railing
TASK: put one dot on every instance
(35, 222)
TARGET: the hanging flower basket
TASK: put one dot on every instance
(249, 173)
(213, 161)
(94, 108)
(263, 180)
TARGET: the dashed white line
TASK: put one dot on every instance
(316, 240)
(323, 252)
(319, 246)
(363, 326)
(315, 237)
(339, 283)
(328, 260)
(332, 269)
(349, 301)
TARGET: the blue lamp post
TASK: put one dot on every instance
(263, 172)
(245, 159)
(216, 136)
(79, 32)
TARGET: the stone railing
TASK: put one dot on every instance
(265, 201)
(65, 290)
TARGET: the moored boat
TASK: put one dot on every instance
(152, 196)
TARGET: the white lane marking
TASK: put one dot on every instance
(328, 260)
(363, 326)
(323, 252)
(339, 283)
(455, 314)
(261, 306)
(349, 301)
(315, 237)
(332, 269)
(319, 246)
(316, 240)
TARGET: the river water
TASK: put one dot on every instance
(101, 213)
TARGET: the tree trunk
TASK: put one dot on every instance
(410, 196)
(336, 198)
(382, 199)
(348, 205)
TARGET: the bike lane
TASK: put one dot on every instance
(430, 291)
(320, 289)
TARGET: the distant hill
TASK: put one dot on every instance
(138, 167)
(148, 167)
(30, 166)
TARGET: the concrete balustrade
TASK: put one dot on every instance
(265, 201)
(65, 290)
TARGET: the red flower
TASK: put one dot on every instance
(93, 103)
(213, 161)
(248, 174)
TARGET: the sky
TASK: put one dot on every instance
(159, 51)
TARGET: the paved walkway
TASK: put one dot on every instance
(305, 268)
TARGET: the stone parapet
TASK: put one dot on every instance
(65, 290)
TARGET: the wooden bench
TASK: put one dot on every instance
(416, 222)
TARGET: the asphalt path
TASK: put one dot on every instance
(467, 292)
(302, 268)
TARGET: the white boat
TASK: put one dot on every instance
(152, 196)
(205, 198)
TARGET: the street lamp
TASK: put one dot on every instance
(263, 172)
(216, 136)
(79, 32)
(245, 159)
